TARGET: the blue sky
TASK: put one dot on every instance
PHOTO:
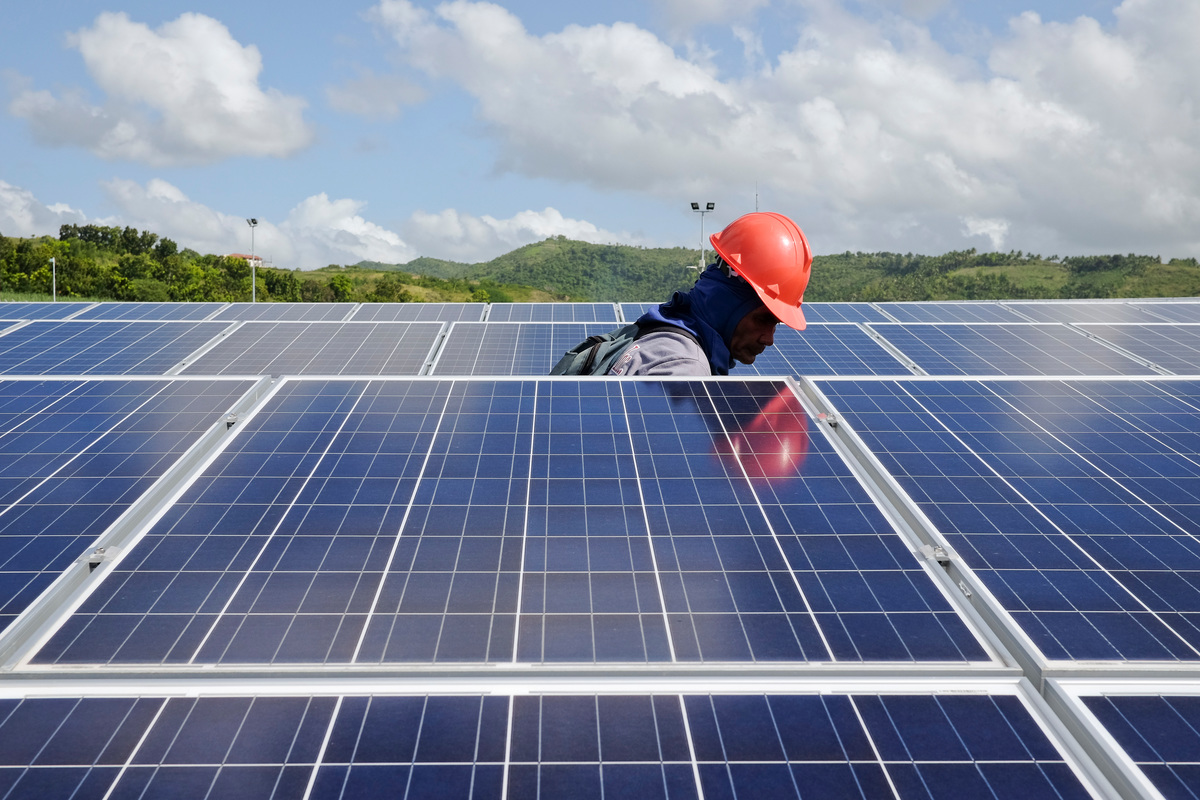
(462, 130)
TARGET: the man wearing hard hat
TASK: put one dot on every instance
(762, 268)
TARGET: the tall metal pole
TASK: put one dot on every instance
(53, 281)
(253, 277)
(707, 207)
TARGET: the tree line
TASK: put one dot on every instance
(122, 263)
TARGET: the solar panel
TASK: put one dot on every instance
(777, 745)
(979, 311)
(1172, 347)
(521, 586)
(419, 312)
(552, 312)
(101, 348)
(1087, 311)
(821, 349)
(631, 311)
(1181, 311)
(1005, 349)
(1160, 733)
(321, 348)
(843, 312)
(520, 522)
(40, 310)
(151, 311)
(510, 348)
(1074, 502)
(296, 312)
(75, 454)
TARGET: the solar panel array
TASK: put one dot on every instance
(919, 550)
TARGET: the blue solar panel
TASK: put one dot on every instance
(1074, 502)
(1182, 311)
(151, 311)
(492, 746)
(997, 349)
(101, 348)
(296, 312)
(74, 455)
(843, 312)
(552, 312)
(981, 311)
(321, 348)
(40, 310)
(631, 311)
(510, 348)
(834, 349)
(1085, 311)
(1172, 347)
(538, 522)
(1160, 734)
(420, 312)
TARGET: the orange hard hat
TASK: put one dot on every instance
(770, 252)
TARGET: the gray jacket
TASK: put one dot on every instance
(663, 352)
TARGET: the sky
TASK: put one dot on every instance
(462, 130)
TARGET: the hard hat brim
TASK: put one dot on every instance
(792, 316)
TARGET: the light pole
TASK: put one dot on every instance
(253, 279)
(707, 208)
(53, 281)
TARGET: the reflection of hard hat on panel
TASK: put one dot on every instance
(772, 445)
(770, 252)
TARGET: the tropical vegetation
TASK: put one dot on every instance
(111, 263)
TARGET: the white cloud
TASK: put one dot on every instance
(332, 231)
(682, 14)
(317, 232)
(456, 236)
(186, 93)
(22, 214)
(996, 230)
(374, 96)
(872, 134)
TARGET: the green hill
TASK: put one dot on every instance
(112, 263)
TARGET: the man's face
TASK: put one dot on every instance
(755, 333)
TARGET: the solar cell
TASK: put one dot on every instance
(419, 312)
(1005, 349)
(552, 312)
(1074, 502)
(538, 522)
(825, 349)
(980, 311)
(306, 312)
(101, 348)
(487, 746)
(510, 348)
(321, 348)
(150, 311)
(75, 454)
(1172, 347)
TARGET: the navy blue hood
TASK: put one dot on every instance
(710, 310)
